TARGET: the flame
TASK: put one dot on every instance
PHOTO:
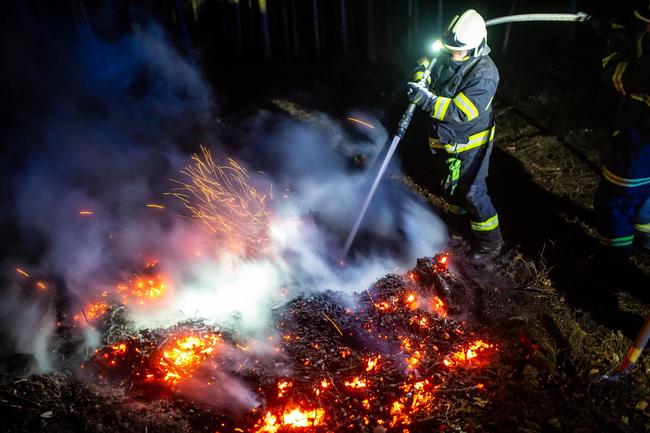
(95, 310)
(356, 383)
(142, 288)
(184, 353)
(283, 386)
(472, 355)
(294, 418)
(220, 199)
(373, 363)
(438, 306)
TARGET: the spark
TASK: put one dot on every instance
(361, 122)
(155, 206)
(41, 285)
(20, 271)
(221, 200)
(86, 212)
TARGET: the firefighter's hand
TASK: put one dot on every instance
(420, 96)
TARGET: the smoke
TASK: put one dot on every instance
(107, 143)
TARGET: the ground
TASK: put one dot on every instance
(550, 345)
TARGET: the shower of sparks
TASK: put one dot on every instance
(221, 200)
(361, 122)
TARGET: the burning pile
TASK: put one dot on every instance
(145, 289)
(390, 359)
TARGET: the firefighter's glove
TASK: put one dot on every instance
(420, 96)
(450, 183)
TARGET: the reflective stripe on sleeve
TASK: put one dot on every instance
(607, 59)
(418, 76)
(645, 228)
(641, 97)
(466, 106)
(487, 225)
(623, 241)
(473, 141)
(440, 108)
(624, 182)
(618, 75)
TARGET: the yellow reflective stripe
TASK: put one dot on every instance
(440, 108)
(617, 26)
(618, 75)
(262, 6)
(641, 17)
(487, 225)
(608, 58)
(634, 354)
(418, 76)
(487, 107)
(473, 141)
(616, 242)
(641, 97)
(466, 106)
(639, 45)
(645, 228)
(423, 61)
(622, 181)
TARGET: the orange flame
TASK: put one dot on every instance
(439, 307)
(184, 353)
(356, 383)
(292, 418)
(470, 356)
(283, 386)
(373, 363)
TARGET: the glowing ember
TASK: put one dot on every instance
(356, 383)
(220, 199)
(373, 363)
(439, 307)
(384, 306)
(283, 386)
(96, 310)
(471, 356)
(292, 418)
(183, 354)
(142, 288)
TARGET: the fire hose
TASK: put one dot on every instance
(408, 114)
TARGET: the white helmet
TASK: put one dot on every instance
(465, 32)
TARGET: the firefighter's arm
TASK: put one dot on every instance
(475, 98)
(623, 71)
(626, 76)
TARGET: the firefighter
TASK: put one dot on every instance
(621, 202)
(458, 99)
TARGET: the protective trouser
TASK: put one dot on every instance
(467, 188)
(621, 203)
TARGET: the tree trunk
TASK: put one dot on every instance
(265, 29)
(372, 46)
(316, 31)
(294, 28)
(344, 25)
